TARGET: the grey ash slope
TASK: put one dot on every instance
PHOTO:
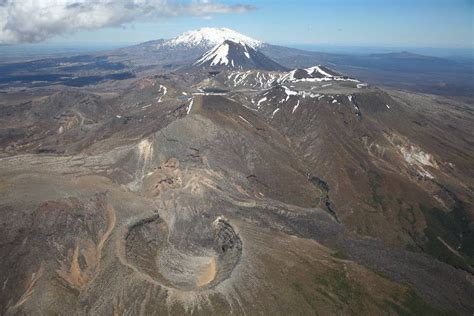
(236, 56)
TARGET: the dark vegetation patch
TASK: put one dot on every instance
(452, 228)
(347, 291)
(447, 236)
(412, 305)
(374, 184)
(340, 254)
(407, 218)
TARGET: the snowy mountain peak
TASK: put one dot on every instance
(219, 55)
(236, 55)
(209, 37)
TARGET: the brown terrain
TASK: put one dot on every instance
(238, 192)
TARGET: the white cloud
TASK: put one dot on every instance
(37, 20)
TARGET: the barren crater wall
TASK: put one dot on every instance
(198, 255)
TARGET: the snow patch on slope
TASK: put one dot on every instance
(261, 100)
(311, 70)
(275, 112)
(218, 56)
(162, 90)
(289, 93)
(295, 107)
(190, 106)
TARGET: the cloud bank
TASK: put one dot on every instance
(37, 20)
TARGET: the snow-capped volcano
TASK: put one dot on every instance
(236, 55)
(208, 37)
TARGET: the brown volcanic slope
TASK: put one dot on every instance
(158, 199)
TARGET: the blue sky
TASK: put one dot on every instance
(397, 23)
(376, 23)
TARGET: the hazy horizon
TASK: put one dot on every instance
(53, 48)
